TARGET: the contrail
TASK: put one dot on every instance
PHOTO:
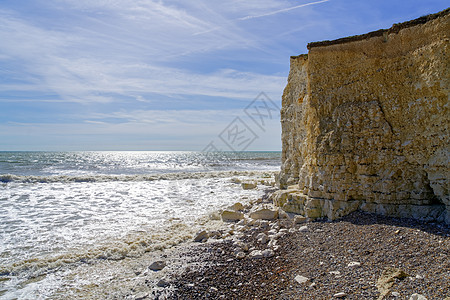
(281, 10)
(259, 16)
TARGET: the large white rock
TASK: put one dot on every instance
(141, 296)
(301, 279)
(264, 214)
(256, 254)
(335, 273)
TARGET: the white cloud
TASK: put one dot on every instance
(171, 116)
(81, 63)
(140, 52)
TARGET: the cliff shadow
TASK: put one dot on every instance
(368, 219)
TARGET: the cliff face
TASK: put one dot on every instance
(365, 125)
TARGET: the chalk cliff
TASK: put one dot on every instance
(365, 124)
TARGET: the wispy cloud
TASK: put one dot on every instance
(102, 71)
(82, 65)
(281, 10)
(137, 68)
(185, 116)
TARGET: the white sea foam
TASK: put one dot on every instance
(72, 220)
(10, 178)
(54, 228)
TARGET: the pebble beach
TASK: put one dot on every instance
(360, 256)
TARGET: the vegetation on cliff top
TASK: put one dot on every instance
(394, 29)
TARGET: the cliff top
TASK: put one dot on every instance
(394, 29)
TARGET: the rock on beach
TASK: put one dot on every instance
(229, 215)
(264, 214)
(248, 185)
(201, 236)
(301, 279)
(157, 265)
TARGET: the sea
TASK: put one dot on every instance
(73, 221)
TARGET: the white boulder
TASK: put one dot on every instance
(301, 279)
(264, 214)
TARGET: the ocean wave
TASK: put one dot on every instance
(10, 178)
(277, 160)
(133, 246)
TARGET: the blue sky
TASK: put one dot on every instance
(162, 75)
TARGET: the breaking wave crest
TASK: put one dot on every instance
(7, 178)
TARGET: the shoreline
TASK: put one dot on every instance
(108, 265)
(360, 256)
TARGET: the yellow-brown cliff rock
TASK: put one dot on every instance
(365, 124)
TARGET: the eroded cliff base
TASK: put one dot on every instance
(294, 201)
(365, 124)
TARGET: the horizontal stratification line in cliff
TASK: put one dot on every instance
(394, 29)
